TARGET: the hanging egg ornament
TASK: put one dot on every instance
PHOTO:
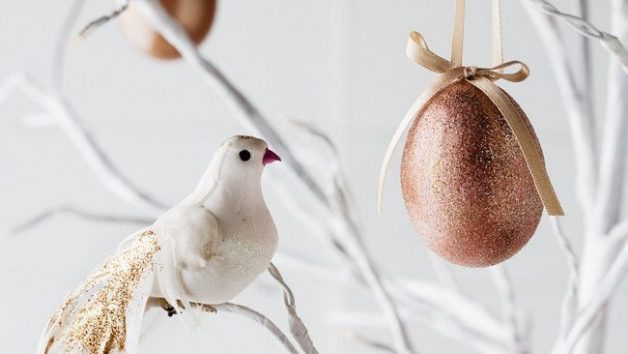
(195, 16)
(473, 175)
(465, 182)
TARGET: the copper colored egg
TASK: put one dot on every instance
(196, 17)
(465, 182)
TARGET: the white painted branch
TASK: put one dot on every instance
(479, 344)
(297, 327)
(611, 43)
(605, 290)
(58, 58)
(453, 315)
(93, 25)
(585, 70)
(444, 273)
(582, 126)
(258, 318)
(602, 209)
(82, 214)
(335, 274)
(509, 308)
(570, 302)
(613, 157)
(227, 307)
(369, 342)
(86, 145)
(619, 233)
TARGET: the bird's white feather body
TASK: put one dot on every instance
(207, 249)
(223, 233)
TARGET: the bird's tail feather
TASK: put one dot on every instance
(104, 314)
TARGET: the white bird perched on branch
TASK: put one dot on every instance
(205, 250)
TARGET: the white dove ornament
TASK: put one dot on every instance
(207, 249)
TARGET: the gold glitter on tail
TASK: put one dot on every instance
(93, 319)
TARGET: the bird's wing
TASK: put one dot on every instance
(189, 237)
(194, 233)
(104, 314)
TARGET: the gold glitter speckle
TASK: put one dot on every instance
(99, 326)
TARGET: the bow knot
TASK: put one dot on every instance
(470, 72)
(419, 52)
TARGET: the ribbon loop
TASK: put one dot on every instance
(497, 72)
(418, 51)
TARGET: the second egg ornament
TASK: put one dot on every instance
(194, 16)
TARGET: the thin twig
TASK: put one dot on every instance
(570, 302)
(297, 327)
(258, 318)
(95, 24)
(443, 270)
(611, 43)
(452, 314)
(613, 155)
(606, 288)
(58, 57)
(80, 213)
(242, 310)
(619, 233)
(586, 82)
(369, 342)
(582, 125)
(95, 157)
(509, 308)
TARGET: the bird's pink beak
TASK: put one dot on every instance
(269, 157)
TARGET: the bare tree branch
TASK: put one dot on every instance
(256, 317)
(509, 308)
(80, 213)
(582, 126)
(611, 43)
(61, 44)
(570, 302)
(95, 157)
(613, 154)
(95, 24)
(297, 327)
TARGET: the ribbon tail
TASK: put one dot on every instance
(437, 86)
(528, 146)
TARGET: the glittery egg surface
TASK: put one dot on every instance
(465, 182)
(195, 16)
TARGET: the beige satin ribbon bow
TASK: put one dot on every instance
(482, 78)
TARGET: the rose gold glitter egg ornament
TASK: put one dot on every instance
(472, 173)
(465, 181)
(195, 16)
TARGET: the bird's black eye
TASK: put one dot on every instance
(245, 155)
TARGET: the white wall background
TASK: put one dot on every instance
(337, 63)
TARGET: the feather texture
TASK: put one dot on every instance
(104, 314)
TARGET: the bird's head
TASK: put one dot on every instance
(244, 157)
(236, 168)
